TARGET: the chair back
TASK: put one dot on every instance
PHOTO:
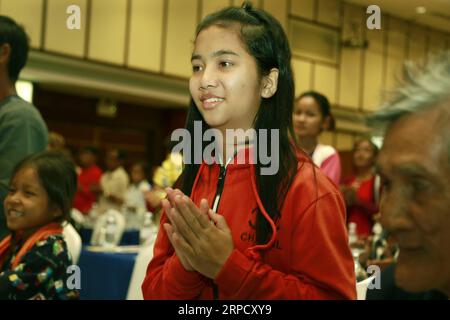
(73, 241)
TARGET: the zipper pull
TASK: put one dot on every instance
(222, 172)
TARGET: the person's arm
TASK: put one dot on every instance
(332, 168)
(166, 277)
(321, 264)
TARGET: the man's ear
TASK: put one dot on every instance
(270, 83)
(5, 52)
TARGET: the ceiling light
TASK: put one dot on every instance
(421, 10)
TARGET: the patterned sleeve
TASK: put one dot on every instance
(42, 274)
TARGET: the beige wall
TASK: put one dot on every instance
(156, 36)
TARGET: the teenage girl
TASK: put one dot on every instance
(232, 232)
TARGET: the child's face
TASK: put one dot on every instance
(137, 174)
(307, 118)
(225, 84)
(26, 205)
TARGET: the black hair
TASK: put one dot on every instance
(121, 154)
(15, 36)
(323, 104)
(265, 40)
(90, 149)
(57, 176)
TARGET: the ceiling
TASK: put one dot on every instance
(437, 11)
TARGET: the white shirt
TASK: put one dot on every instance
(134, 196)
(113, 183)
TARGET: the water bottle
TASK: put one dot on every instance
(378, 243)
(352, 236)
(110, 231)
(146, 232)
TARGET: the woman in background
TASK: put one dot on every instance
(311, 116)
(360, 190)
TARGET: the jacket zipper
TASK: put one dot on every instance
(220, 184)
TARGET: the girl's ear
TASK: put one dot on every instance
(270, 83)
(56, 211)
(326, 124)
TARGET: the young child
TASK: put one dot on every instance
(34, 258)
(242, 234)
(135, 194)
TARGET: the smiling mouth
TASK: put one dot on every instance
(15, 213)
(212, 102)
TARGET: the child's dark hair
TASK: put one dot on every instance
(265, 40)
(323, 104)
(57, 176)
(15, 36)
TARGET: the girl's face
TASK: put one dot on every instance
(26, 204)
(307, 118)
(225, 84)
(364, 155)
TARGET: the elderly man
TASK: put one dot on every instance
(414, 163)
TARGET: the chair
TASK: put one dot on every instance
(73, 241)
(140, 268)
(77, 216)
(361, 288)
(101, 223)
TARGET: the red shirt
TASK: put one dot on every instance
(84, 198)
(307, 256)
(362, 212)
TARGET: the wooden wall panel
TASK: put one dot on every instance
(395, 52)
(303, 8)
(28, 13)
(350, 75)
(417, 42)
(302, 75)
(58, 37)
(344, 141)
(182, 21)
(278, 8)
(329, 12)
(146, 36)
(210, 6)
(107, 31)
(325, 81)
(373, 75)
(327, 137)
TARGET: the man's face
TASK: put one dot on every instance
(415, 204)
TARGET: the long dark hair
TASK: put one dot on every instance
(266, 41)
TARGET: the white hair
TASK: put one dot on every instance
(423, 89)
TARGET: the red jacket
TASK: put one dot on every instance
(307, 257)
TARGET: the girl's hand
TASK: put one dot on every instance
(205, 243)
(170, 230)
